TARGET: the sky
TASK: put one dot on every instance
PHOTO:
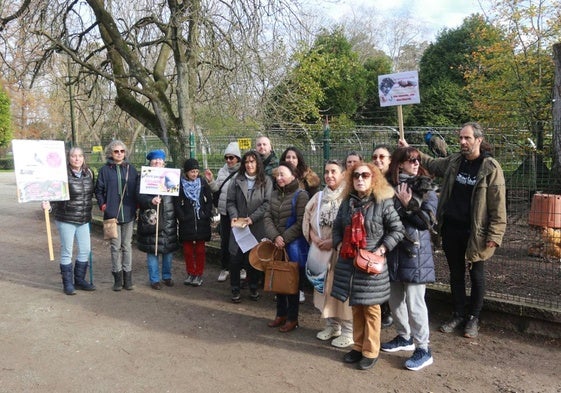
(436, 14)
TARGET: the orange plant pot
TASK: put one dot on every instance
(545, 211)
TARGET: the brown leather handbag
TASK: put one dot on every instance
(369, 262)
(281, 276)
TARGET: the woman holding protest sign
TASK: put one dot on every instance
(115, 191)
(72, 219)
(156, 232)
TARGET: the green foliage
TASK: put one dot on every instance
(371, 112)
(6, 131)
(443, 68)
(327, 79)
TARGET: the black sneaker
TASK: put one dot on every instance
(472, 327)
(254, 295)
(236, 298)
(366, 363)
(352, 356)
(452, 324)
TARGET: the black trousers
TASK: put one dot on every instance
(454, 244)
(225, 230)
(238, 262)
(287, 306)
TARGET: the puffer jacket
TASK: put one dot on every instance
(191, 227)
(78, 209)
(215, 185)
(383, 226)
(488, 202)
(412, 261)
(241, 203)
(108, 192)
(281, 209)
(146, 226)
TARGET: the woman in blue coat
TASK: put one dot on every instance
(115, 191)
(411, 264)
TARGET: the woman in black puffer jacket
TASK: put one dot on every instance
(72, 219)
(167, 229)
(368, 192)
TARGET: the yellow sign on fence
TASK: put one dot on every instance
(244, 143)
(97, 149)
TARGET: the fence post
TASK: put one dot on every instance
(326, 140)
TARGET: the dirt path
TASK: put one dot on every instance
(194, 339)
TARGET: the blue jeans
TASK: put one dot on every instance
(67, 232)
(121, 252)
(154, 268)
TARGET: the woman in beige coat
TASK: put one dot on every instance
(317, 226)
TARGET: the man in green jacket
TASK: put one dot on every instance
(471, 218)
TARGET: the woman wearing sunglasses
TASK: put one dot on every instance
(368, 195)
(411, 264)
(115, 191)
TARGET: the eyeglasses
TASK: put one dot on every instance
(376, 156)
(119, 151)
(414, 160)
(229, 158)
(364, 175)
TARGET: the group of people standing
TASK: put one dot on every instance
(388, 206)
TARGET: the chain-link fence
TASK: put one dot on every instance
(526, 268)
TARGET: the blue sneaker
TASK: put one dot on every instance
(398, 344)
(420, 359)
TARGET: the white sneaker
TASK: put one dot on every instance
(342, 342)
(302, 297)
(197, 281)
(243, 274)
(223, 275)
(327, 333)
(189, 280)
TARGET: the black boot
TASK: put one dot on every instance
(67, 286)
(128, 281)
(387, 319)
(80, 269)
(118, 276)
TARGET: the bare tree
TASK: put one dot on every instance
(164, 59)
(556, 112)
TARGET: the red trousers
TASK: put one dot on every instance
(194, 254)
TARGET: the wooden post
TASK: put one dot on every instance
(400, 121)
(157, 222)
(49, 237)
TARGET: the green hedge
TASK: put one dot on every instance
(6, 163)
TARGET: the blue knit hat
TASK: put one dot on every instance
(155, 154)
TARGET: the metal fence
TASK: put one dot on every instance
(525, 269)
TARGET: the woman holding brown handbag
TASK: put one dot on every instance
(276, 228)
(368, 195)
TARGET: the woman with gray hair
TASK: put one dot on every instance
(115, 191)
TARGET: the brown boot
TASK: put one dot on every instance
(288, 326)
(278, 321)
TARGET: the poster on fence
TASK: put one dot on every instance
(401, 88)
(40, 168)
(159, 181)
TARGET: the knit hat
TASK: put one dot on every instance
(190, 163)
(155, 154)
(233, 149)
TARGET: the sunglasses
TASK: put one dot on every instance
(376, 156)
(229, 158)
(414, 160)
(364, 175)
(119, 151)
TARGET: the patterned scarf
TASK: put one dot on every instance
(329, 205)
(192, 190)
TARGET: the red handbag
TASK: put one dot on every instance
(369, 262)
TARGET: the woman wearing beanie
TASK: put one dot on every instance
(193, 209)
(225, 177)
(157, 209)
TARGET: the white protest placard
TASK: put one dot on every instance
(401, 88)
(160, 181)
(40, 168)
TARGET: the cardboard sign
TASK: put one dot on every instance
(244, 143)
(160, 181)
(40, 168)
(399, 89)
